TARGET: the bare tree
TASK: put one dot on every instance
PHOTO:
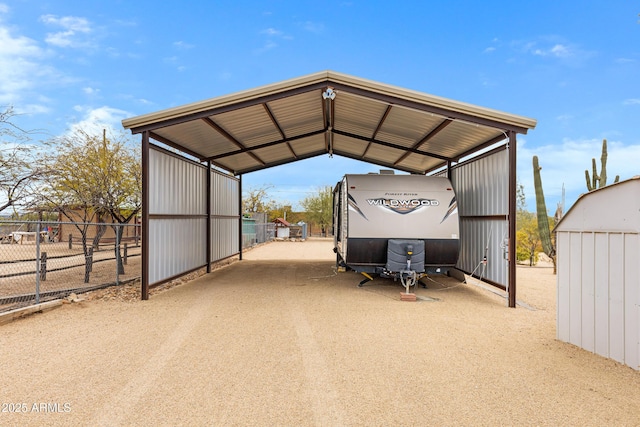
(20, 163)
(257, 199)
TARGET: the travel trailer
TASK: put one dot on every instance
(395, 226)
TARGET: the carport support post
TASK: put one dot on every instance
(240, 217)
(208, 228)
(145, 216)
(511, 289)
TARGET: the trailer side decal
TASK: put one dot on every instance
(354, 205)
(402, 207)
(453, 209)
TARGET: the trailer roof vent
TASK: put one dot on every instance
(386, 172)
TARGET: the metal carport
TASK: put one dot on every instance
(336, 114)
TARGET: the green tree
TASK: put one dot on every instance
(528, 243)
(95, 177)
(521, 201)
(319, 208)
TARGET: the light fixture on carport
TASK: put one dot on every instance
(329, 94)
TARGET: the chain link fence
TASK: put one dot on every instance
(40, 261)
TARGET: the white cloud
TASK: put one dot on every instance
(90, 91)
(558, 50)
(565, 163)
(553, 48)
(94, 120)
(4, 8)
(632, 101)
(21, 67)
(73, 28)
(271, 32)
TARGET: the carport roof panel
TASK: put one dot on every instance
(235, 131)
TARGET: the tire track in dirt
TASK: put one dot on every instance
(119, 407)
(325, 401)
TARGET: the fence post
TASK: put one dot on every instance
(117, 262)
(124, 259)
(43, 266)
(37, 263)
(88, 264)
(70, 240)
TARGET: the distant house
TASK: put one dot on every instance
(283, 228)
(65, 230)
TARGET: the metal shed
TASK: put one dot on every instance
(319, 114)
(598, 247)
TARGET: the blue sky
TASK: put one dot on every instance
(572, 65)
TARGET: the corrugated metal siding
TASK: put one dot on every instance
(224, 195)
(224, 238)
(175, 247)
(225, 221)
(482, 185)
(251, 125)
(482, 190)
(298, 115)
(478, 237)
(357, 115)
(176, 186)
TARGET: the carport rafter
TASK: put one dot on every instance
(396, 146)
(427, 137)
(265, 145)
(231, 139)
(277, 126)
(376, 130)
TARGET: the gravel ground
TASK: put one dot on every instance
(276, 341)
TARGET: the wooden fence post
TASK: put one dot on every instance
(43, 266)
(88, 265)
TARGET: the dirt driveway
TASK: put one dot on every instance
(276, 341)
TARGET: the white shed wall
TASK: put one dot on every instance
(598, 292)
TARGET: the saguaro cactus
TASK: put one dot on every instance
(599, 181)
(543, 218)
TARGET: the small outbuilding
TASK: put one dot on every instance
(598, 248)
(283, 228)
